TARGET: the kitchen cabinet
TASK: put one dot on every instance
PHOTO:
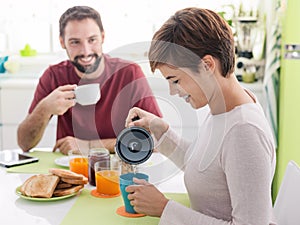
(15, 98)
(16, 93)
(0, 123)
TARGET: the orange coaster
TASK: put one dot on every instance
(121, 211)
(96, 194)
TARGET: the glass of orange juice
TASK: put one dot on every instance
(107, 178)
(78, 162)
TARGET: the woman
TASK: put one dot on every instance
(229, 168)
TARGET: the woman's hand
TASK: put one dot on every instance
(149, 121)
(146, 199)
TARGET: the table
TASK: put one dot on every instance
(15, 210)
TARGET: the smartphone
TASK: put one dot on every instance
(10, 158)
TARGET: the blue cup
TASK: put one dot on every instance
(126, 180)
(2, 61)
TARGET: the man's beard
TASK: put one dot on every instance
(90, 68)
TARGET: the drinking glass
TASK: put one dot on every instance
(107, 178)
(95, 155)
(78, 162)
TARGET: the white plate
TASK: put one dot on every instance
(18, 192)
(62, 161)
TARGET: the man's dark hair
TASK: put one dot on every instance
(78, 13)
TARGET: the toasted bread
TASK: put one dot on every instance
(62, 185)
(67, 191)
(41, 185)
(66, 174)
(23, 187)
(74, 181)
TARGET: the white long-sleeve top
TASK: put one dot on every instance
(228, 170)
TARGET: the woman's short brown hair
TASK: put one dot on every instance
(190, 34)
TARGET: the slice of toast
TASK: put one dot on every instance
(74, 181)
(67, 191)
(66, 174)
(23, 186)
(42, 185)
(62, 185)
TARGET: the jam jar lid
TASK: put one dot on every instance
(134, 145)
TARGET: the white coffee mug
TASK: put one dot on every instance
(87, 94)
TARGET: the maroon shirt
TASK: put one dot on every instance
(123, 86)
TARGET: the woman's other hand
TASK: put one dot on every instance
(146, 199)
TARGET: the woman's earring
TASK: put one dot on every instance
(206, 67)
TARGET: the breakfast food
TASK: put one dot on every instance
(62, 185)
(74, 181)
(66, 174)
(59, 182)
(67, 191)
(23, 187)
(42, 186)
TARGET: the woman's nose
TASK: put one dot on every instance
(173, 89)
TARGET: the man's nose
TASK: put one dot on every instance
(85, 48)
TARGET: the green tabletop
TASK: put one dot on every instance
(46, 161)
(92, 210)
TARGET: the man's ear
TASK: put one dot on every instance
(102, 36)
(209, 62)
(62, 43)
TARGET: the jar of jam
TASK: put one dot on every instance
(95, 155)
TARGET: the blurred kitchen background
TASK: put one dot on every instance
(29, 43)
(36, 22)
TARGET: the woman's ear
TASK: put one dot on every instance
(209, 62)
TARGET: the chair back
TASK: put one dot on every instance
(287, 203)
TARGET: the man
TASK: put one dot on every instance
(122, 83)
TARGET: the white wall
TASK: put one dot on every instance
(36, 22)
